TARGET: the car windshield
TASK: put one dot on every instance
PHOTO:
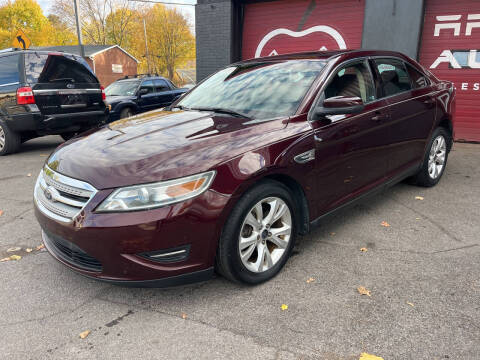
(122, 88)
(260, 90)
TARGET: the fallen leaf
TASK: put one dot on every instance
(418, 197)
(284, 307)
(1, 212)
(15, 257)
(363, 249)
(29, 175)
(409, 303)
(184, 316)
(384, 223)
(363, 291)
(332, 233)
(417, 218)
(84, 334)
(5, 259)
(40, 247)
(13, 249)
(309, 280)
(28, 250)
(365, 356)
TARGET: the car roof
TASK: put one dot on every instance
(326, 55)
(139, 78)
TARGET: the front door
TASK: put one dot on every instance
(350, 156)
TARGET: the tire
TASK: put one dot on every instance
(126, 112)
(229, 262)
(9, 140)
(437, 153)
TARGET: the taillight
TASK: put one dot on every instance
(25, 96)
(104, 97)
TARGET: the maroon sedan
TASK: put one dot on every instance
(230, 174)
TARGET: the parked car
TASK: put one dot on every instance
(45, 93)
(133, 95)
(228, 176)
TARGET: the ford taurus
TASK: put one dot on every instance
(227, 176)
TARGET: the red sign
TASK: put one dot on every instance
(280, 27)
(451, 50)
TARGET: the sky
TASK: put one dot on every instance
(187, 10)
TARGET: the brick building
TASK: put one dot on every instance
(109, 62)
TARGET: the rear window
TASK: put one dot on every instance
(45, 68)
(9, 74)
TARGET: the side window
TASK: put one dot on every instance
(9, 74)
(394, 76)
(161, 85)
(352, 80)
(418, 79)
(148, 84)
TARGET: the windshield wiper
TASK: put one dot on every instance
(223, 111)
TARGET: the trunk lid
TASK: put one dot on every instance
(62, 83)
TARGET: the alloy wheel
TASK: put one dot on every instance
(265, 234)
(2, 138)
(436, 159)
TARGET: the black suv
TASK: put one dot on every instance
(132, 95)
(45, 93)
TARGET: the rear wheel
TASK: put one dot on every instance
(259, 235)
(125, 113)
(435, 159)
(9, 140)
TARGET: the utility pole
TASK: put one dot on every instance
(79, 29)
(146, 45)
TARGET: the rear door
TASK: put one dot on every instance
(164, 93)
(62, 84)
(412, 113)
(350, 148)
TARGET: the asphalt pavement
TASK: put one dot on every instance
(422, 273)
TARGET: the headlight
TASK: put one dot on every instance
(148, 196)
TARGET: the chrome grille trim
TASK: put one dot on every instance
(67, 197)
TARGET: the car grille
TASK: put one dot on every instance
(60, 197)
(70, 253)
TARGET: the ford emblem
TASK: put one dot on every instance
(48, 194)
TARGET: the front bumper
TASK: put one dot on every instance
(119, 241)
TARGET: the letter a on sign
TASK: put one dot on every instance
(21, 41)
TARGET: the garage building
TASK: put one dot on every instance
(443, 35)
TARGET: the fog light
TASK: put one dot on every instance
(168, 255)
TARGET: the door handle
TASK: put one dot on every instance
(428, 101)
(379, 117)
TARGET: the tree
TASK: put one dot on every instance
(171, 43)
(28, 16)
(62, 34)
(103, 21)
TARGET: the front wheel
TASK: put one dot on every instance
(259, 235)
(435, 159)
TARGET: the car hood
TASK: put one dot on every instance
(116, 99)
(159, 145)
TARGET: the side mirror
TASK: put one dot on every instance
(142, 91)
(339, 105)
